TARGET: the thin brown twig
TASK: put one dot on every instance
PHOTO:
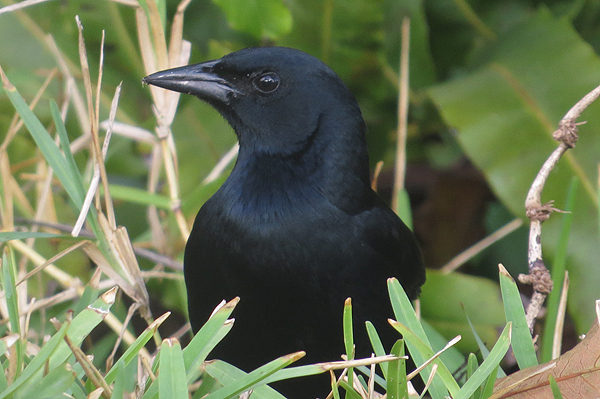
(539, 276)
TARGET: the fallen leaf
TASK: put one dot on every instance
(577, 373)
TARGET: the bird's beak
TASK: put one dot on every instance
(198, 79)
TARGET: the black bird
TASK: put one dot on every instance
(296, 228)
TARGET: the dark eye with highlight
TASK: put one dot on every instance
(267, 82)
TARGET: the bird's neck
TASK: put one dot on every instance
(327, 166)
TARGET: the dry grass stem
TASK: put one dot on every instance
(220, 167)
(452, 342)
(20, 5)
(477, 248)
(135, 133)
(63, 278)
(400, 169)
(560, 318)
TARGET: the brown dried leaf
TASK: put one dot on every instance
(577, 373)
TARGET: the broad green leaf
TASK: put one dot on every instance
(505, 112)
(263, 19)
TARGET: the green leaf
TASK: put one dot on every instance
(263, 19)
(172, 371)
(522, 342)
(488, 366)
(505, 112)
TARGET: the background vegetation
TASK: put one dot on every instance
(489, 81)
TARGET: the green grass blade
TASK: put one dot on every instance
(484, 350)
(377, 345)
(513, 308)
(172, 371)
(426, 352)
(55, 383)
(255, 377)
(405, 314)
(36, 364)
(132, 352)
(65, 145)
(45, 143)
(349, 338)
(472, 365)
(350, 392)
(118, 387)
(228, 374)
(397, 384)
(198, 349)
(488, 366)
(8, 276)
(554, 387)
(139, 196)
(558, 272)
(488, 389)
(8, 283)
(22, 235)
(83, 324)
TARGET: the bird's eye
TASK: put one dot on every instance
(267, 82)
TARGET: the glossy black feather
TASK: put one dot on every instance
(296, 228)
